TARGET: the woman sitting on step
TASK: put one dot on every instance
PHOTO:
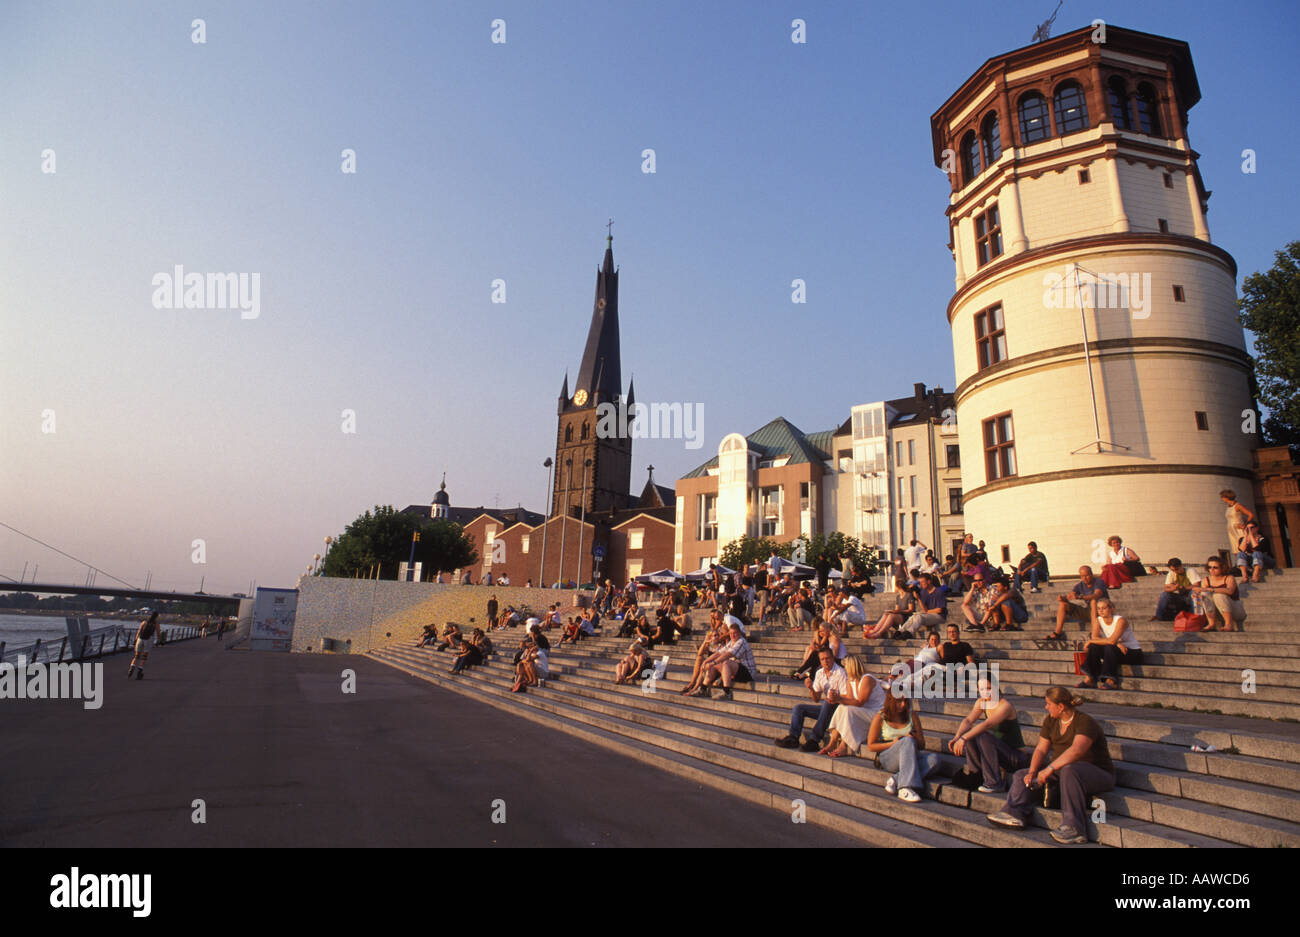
(904, 605)
(898, 742)
(714, 640)
(825, 636)
(470, 653)
(857, 708)
(633, 665)
(534, 664)
(1122, 564)
(1112, 643)
(990, 739)
(1218, 592)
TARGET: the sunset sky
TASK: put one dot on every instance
(478, 161)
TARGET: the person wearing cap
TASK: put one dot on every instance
(734, 663)
(828, 688)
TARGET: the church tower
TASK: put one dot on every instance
(1103, 380)
(605, 458)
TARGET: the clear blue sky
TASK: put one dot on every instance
(477, 161)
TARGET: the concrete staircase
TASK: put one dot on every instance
(1166, 795)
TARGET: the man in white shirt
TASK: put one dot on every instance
(915, 554)
(734, 663)
(829, 686)
(851, 612)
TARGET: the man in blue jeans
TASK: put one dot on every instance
(827, 688)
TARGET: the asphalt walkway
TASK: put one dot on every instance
(281, 756)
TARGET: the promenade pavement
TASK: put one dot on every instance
(281, 756)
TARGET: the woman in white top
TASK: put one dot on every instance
(853, 716)
(1112, 643)
(1122, 564)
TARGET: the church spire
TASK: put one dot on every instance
(600, 374)
(564, 393)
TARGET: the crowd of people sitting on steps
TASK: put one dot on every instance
(854, 712)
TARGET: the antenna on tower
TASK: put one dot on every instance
(1044, 30)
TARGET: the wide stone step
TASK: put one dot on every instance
(731, 734)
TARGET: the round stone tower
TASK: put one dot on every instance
(1103, 379)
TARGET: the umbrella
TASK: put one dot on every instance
(663, 577)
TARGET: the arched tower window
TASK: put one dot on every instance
(1148, 108)
(586, 429)
(991, 136)
(1071, 109)
(970, 157)
(1034, 125)
(568, 433)
(1119, 110)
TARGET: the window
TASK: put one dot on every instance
(999, 448)
(913, 525)
(970, 157)
(988, 235)
(954, 456)
(1163, 224)
(898, 453)
(845, 457)
(1148, 109)
(1119, 112)
(911, 483)
(523, 543)
(900, 490)
(1084, 178)
(586, 429)
(1033, 119)
(1006, 553)
(1178, 294)
(707, 528)
(1071, 109)
(635, 539)
(489, 537)
(991, 138)
(804, 497)
(902, 526)
(568, 433)
(1202, 420)
(954, 501)
(911, 452)
(769, 512)
(990, 338)
(1169, 181)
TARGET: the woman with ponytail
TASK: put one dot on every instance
(1072, 752)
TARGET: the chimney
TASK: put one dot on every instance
(919, 390)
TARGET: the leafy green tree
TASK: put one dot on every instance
(383, 537)
(1270, 308)
(830, 546)
(750, 550)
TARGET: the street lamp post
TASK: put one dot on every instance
(410, 563)
(582, 523)
(564, 517)
(541, 573)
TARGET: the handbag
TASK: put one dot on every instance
(1079, 658)
(1187, 621)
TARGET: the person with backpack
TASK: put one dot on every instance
(148, 631)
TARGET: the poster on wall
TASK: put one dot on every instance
(274, 611)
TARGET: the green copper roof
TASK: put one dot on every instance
(777, 439)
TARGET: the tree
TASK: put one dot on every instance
(383, 538)
(1270, 308)
(830, 546)
(749, 550)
